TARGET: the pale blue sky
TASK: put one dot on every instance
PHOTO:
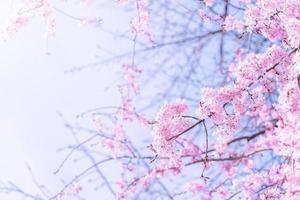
(34, 87)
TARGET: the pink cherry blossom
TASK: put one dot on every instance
(169, 123)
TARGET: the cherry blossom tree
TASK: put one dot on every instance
(209, 103)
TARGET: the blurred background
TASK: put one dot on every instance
(39, 93)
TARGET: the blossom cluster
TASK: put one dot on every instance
(169, 122)
(255, 78)
(275, 20)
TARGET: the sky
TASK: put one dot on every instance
(36, 88)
